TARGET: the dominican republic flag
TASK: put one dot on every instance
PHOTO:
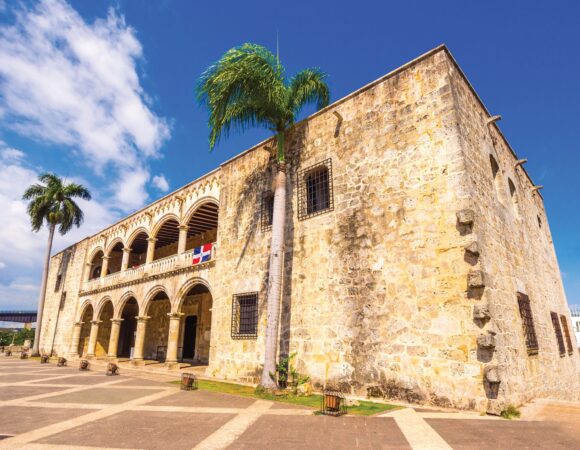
(201, 254)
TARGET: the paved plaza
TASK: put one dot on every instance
(45, 407)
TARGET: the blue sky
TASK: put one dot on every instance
(80, 77)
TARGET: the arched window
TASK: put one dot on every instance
(514, 197)
(495, 172)
(167, 238)
(96, 265)
(138, 248)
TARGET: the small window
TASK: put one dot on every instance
(62, 300)
(539, 221)
(495, 172)
(58, 282)
(315, 194)
(245, 316)
(514, 197)
(558, 331)
(567, 333)
(528, 324)
(267, 211)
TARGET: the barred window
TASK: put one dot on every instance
(245, 316)
(267, 211)
(315, 193)
(558, 331)
(567, 334)
(528, 324)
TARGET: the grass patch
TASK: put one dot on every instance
(510, 412)
(364, 408)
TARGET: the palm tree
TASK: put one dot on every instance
(245, 88)
(52, 203)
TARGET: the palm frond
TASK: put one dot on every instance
(308, 86)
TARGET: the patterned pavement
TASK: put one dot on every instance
(45, 407)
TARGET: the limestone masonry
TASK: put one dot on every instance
(419, 263)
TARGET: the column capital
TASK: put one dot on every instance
(175, 315)
(106, 257)
(152, 239)
(95, 322)
(127, 249)
(184, 227)
(116, 320)
(142, 318)
(79, 324)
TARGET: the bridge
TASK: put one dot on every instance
(26, 317)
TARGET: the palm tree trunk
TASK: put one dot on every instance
(35, 347)
(275, 272)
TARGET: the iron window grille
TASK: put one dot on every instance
(528, 324)
(558, 331)
(245, 316)
(567, 333)
(267, 211)
(315, 190)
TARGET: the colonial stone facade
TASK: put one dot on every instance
(419, 263)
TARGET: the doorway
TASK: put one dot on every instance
(189, 335)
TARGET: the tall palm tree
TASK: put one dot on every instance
(245, 88)
(52, 203)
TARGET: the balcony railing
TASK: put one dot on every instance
(156, 267)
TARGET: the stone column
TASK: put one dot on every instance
(173, 337)
(140, 337)
(76, 338)
(105, 266)
(125, 261)
(182, 239)
(87, 274)
(150, 250)
(93, 338)
(114, 338)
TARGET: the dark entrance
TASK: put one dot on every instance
(128, 328)
(189, 337)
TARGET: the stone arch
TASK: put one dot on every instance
(95, 263)
(496, 177)
(185, 288)
(138, 243)
(86, 316)
(112, 244)
(81, 311)
(514, 197)
(120, 304)
(202, 222)
(199, 202)
(153, 292)
(136, 232)
(157, 307)
(104, 313)
(161, 222)
(194, 303)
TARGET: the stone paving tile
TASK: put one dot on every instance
(500, 435)
(51, 372)
(14, 392)
(205, 399)
(144, 382)
(282, 405)
(318, 432)
(82, 380)
(143, 430)
(17, 378)
(100, 395)
(20, 419)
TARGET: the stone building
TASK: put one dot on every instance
(419, 264)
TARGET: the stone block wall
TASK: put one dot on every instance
(516, 254)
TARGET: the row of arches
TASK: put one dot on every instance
(170, 236)
(159, 328)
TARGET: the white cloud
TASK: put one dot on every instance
(160, 182)
(21, 250)
(65, 81)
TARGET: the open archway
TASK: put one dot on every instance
(115, 258)
(167, 239)
(202, 225)
(128, 328)
(157, 332)
(86, 319)
(138, 246)
(96, 265)
(105, 316)
(195, 333)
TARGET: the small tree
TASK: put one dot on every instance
(52, 204)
